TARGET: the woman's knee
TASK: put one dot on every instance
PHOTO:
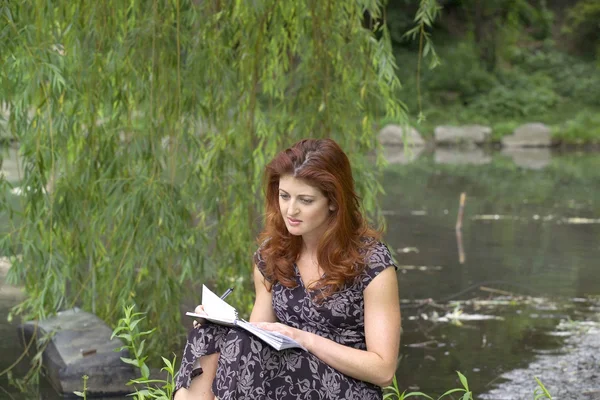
(181, 394)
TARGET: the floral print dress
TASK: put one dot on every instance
(250, 369)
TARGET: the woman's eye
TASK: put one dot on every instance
(284, 196)
(306, 201)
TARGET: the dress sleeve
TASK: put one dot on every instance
(378, 259)
(261, 264)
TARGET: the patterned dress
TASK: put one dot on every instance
(251, 369)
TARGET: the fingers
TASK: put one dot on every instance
(269, 326)
(199, 309)
(274, 327)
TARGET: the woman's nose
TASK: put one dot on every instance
(292, 208)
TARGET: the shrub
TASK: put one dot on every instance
(585, 127)
(569, 75)
(517, 95)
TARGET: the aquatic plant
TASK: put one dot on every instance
(145, 387)
(393, 392)
(83, 393)
(541, 392)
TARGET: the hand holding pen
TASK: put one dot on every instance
(200, 308)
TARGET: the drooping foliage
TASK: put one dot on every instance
(144, 126)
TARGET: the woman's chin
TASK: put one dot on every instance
(294, 231)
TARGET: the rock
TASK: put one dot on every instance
(461, 157)
(529, 158)
(80, 346)
(529, 135)
(461, 135)
(393, 135)
(401, 155)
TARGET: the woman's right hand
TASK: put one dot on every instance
(199, 310)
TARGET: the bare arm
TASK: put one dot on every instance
(377, 364)
(263, 306)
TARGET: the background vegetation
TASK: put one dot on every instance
(504, 63)
(144, 127)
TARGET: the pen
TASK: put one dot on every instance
(227, 293)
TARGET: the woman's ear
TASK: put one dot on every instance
(332, 207)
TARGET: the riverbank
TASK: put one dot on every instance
(524, 136)
(571, 374)
(570, 125)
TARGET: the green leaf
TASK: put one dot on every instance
(411, 394)
(463, 380)
(168, 364)
(134, 323)
(139, 351)
(125, 336)
(130, 361)
(450, 392)
(145, 371)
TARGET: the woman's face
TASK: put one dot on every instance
(304, 208)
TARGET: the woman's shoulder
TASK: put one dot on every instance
(375, 251)
(377, 257)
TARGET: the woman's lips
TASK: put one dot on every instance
(294, 222)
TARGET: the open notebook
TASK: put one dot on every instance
(219, 312)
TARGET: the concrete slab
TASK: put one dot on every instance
(81, 345)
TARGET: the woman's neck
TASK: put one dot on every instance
(310, 246)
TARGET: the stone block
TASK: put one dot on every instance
(80, 345)
(462, 135)
(529, 135)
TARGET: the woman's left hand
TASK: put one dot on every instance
(298, 335)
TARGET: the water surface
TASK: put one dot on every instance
(529, 232)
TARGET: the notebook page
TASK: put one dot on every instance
(216, 308)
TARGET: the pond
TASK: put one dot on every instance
(529, 242)
(528, 232)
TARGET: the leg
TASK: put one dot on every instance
(203, 346)
(201, 387)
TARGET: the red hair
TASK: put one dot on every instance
(322, 164)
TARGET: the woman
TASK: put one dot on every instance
(321, 278)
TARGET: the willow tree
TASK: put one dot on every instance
(144, 127)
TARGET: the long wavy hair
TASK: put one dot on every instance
(322, 164)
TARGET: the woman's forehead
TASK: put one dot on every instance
(297, 186)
